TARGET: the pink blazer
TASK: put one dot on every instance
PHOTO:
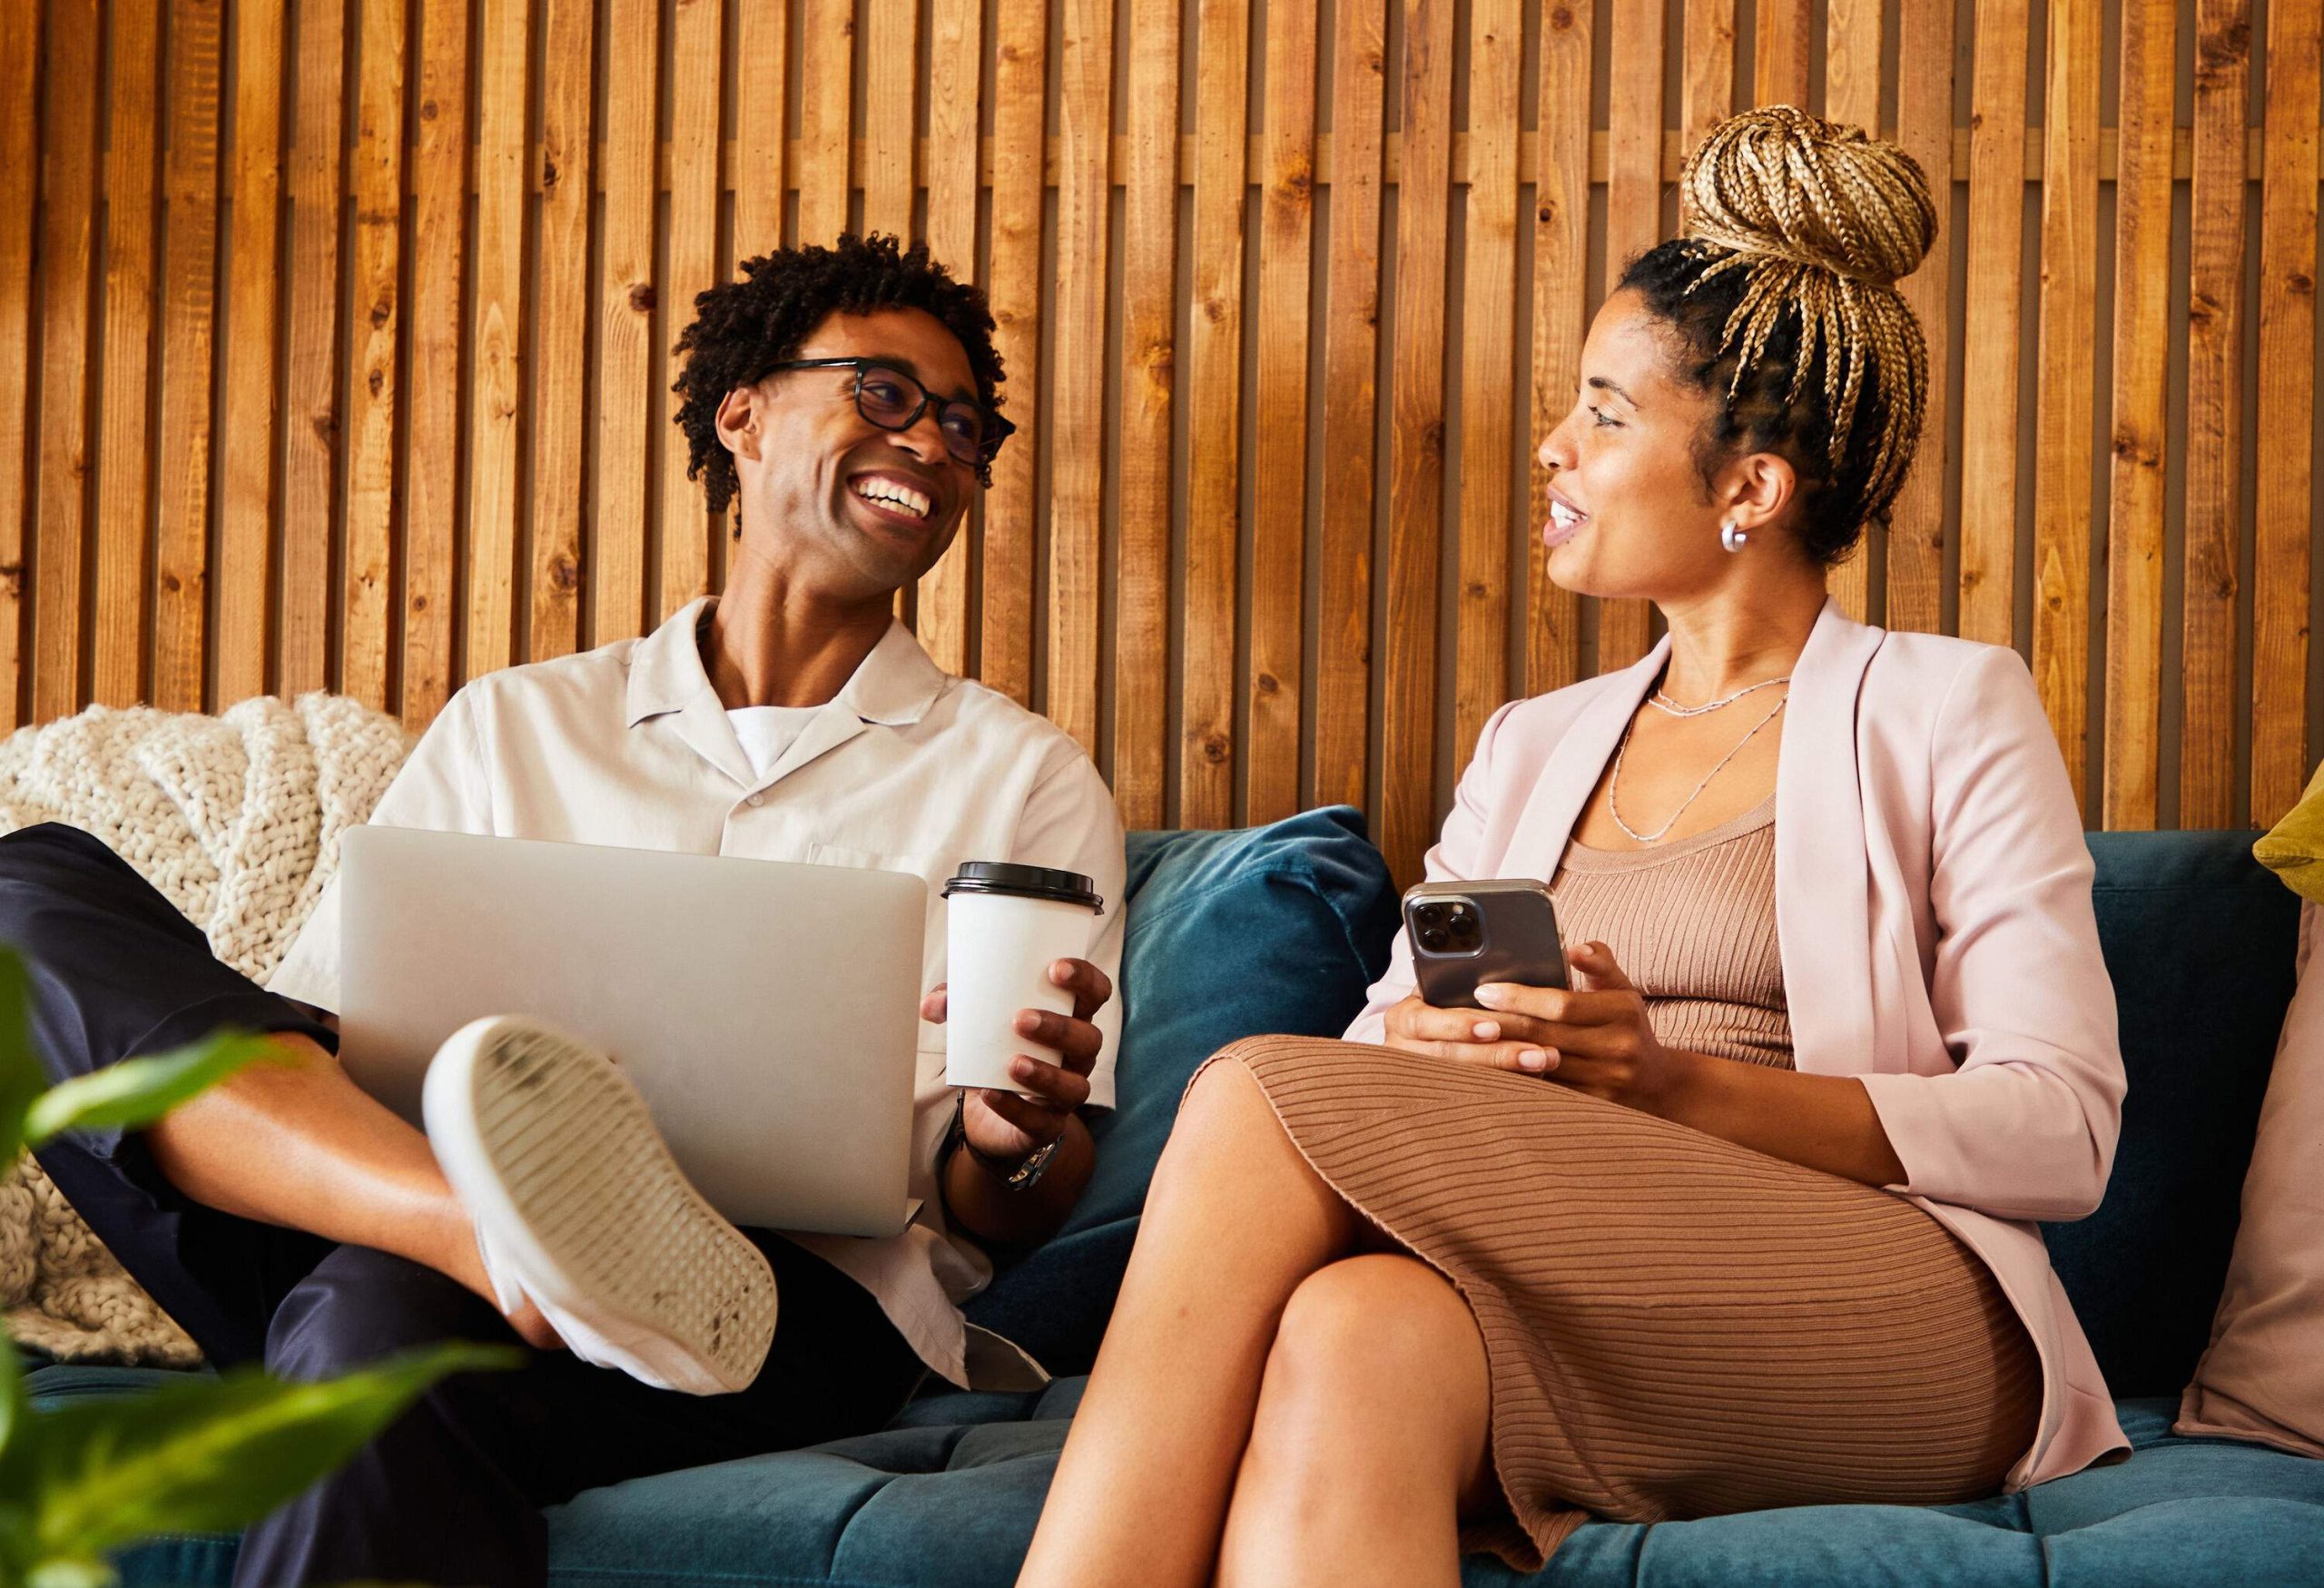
(1933, 906)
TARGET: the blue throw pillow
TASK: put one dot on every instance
(1274, 929)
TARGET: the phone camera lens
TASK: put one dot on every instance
(1429, 915)
(1433, 938)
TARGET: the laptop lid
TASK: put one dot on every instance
(767, 1012)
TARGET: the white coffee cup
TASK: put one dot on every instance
(1006, 925)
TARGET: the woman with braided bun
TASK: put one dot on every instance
(1743, 1216)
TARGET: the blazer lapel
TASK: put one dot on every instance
(1575, 765)
(1823, 909)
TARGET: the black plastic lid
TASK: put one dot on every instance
(1024, 882)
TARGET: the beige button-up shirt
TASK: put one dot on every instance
(908, 769)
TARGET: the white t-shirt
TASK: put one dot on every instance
(907, 769)
(765, 732)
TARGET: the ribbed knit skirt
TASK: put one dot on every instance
(1676, 1326)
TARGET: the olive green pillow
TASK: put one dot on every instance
(2294, 847)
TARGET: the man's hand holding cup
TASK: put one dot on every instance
(1010, 1126)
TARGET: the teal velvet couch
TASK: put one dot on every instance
(1279, 928)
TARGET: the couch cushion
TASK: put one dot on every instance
(1268, 929)
(2199, 938)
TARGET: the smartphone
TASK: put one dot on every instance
(1465, 934)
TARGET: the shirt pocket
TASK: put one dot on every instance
(932, 869)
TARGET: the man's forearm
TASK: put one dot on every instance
(980, 1204)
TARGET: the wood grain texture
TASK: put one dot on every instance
(1021, 80)
(1350, 331)
(1851, 94)
(558, 502)
(1150, 380)
(496, 329)
(20, 169)
(2283, 488)
(1488, 354)
(1214, 490)
(1707, 69)
(68, 193)
(1992, 296)
(1416, 444)
(1916, 527)
(124, 524)
(1561, 284)
(955, 55)
(2214, 417)
(1633, 225)
(375, 179)
(761, 132)
(688, 527)
(1279, 508)
(891, 70)
(827, 86)
(2137, 465)
(246, 514)
(2064, 393)
(1780, 64)
(310, 392)
(626, 355)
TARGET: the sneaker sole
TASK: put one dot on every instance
(546, 1138)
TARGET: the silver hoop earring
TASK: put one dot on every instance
(1733, 539)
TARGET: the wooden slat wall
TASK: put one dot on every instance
(335, 349)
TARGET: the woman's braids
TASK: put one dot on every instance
(743, 328)
(1783, 291)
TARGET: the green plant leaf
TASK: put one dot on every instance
(137, 1091)
(20, 1073)
(206, 1456)
(94, 1573)
(13, 1399)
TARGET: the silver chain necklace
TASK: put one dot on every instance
(1614, 784)
(1670, 707)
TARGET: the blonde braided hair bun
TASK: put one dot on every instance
(1795, 232)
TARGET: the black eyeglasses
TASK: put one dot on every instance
(893, 401)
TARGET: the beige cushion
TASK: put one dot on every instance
(2263, 1376)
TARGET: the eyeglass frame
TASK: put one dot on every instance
(996, 425)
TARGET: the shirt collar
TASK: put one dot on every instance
(893, 687)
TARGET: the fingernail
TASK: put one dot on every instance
(1485, 1031)
(1021, 1068)
(1060, 972)
(1027, 1022)
(1491, 994)
(1533, 1059)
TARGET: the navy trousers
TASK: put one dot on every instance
(452, 1493)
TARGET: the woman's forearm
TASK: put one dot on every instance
(1826, 1122)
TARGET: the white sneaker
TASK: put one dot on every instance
(579, 1207)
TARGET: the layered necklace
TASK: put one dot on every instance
(1663, 703)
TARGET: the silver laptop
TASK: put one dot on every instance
(768, 1013)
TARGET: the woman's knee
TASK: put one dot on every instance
(1381, 1318)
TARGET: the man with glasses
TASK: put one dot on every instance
(844, 403)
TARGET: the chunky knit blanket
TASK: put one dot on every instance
(235, 819)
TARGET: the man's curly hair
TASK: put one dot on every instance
(744, 327)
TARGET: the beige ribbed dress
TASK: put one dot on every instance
(1676, 1326)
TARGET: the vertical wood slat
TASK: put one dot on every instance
(892, 79)
(2137, 467)
(2282, 488)
(1020, 90)
(1560, 267)
(1488, 349)
(1214, 499)
(1991, 299)
(432, 398)
(1633, 225)
(1416, 442)
(559, 425)
(1852, 95)
(625, 357)
(762, 128)
(377, 182)
(497, 333)
(246, 520)
(68, 200)
(1707, 77)
(1279, 510)
(310, 390)
(2214, 415)
(687, 525)
(20, 171)
(1351, 331)
(1924, 128)
(1078, 475)
(827, 86)
(1779, 67)
(955, 59)
(124, 594)
(2065, 394)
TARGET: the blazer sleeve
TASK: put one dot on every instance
(2025, 1126)
(1457, 854)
